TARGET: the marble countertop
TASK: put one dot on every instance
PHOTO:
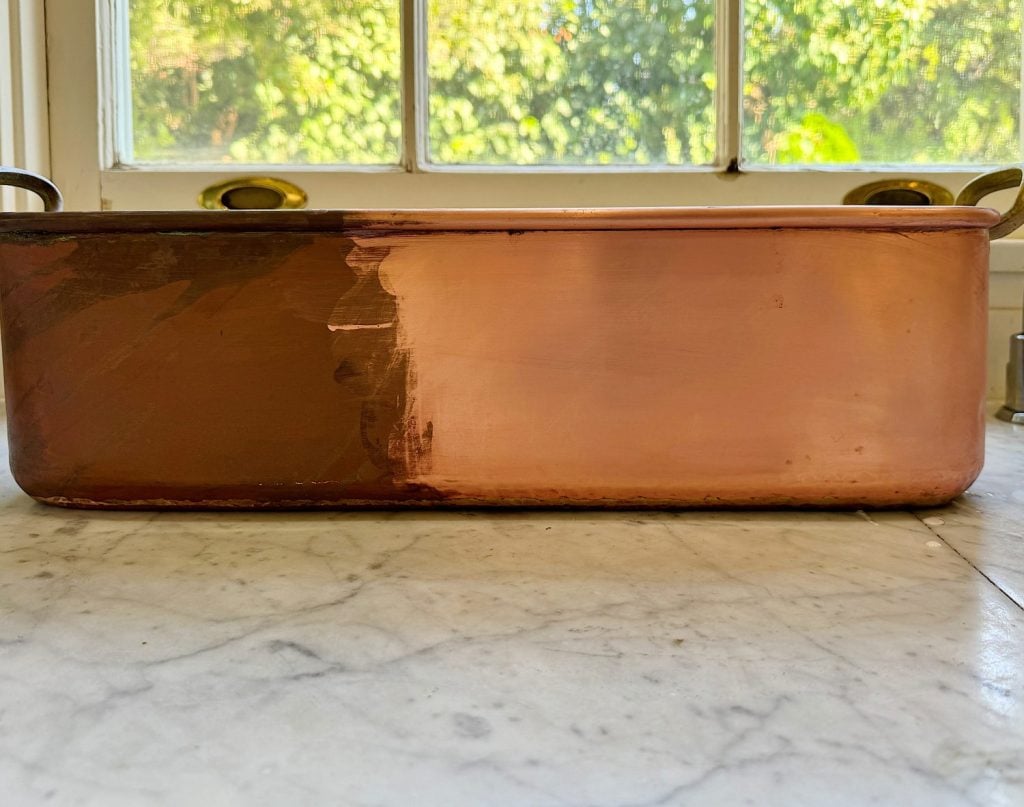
(516, 658)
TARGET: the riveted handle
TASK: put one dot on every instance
(1003, 180)
(53, 202)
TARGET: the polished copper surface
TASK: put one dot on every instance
(690, 357)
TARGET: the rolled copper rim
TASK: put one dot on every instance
(833, 217)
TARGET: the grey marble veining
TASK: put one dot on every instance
(515, 658)
(986, 525)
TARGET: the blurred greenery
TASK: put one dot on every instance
(572, 81)
(532, 82)
(907, 81)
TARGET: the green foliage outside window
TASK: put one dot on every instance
(533, 82)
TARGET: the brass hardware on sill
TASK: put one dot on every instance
(253, 193)
(902, 192)
(907, 192)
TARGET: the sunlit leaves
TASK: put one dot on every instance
(606, 82)
(535, 82)
(314, 81)
(882, 81)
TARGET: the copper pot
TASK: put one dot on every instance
(816, 356)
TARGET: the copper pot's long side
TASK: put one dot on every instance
(668, 367)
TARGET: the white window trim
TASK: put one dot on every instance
(23, 102)
(81, 46)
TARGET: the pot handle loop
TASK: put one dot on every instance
(53, 202)
(980, 187)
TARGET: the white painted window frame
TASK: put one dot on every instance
(24, 121)
(83, 43)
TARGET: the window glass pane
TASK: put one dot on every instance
(882, 81)
(273, 81)
(571, 82)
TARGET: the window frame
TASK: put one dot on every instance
(83, 44)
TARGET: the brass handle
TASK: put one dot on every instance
(253, 193)
(980, 187)
(53, 202)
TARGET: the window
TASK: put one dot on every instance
(521, 102)
(512, 82)
(315, 81)
(882, 82)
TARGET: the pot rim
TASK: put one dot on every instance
(803, 217)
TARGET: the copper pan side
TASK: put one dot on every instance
(829, 357)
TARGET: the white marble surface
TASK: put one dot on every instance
(516, 658)
(986, 525)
